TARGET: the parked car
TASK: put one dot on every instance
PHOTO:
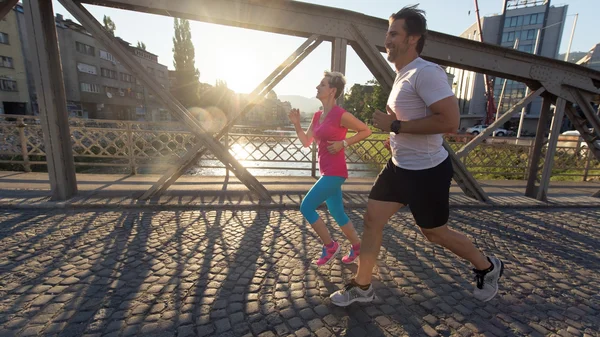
(477, 129)
(572, 139)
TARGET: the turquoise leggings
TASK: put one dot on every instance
(328, 189)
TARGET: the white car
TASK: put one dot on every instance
(567, 139)
(477, 129)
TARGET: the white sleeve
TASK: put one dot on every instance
(432, 84)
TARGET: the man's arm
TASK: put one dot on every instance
(432, 86)
(445, 119)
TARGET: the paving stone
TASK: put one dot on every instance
(203, 284)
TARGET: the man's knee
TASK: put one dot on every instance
(373, 220)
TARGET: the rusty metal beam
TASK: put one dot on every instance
(194, 154)
(559, 113)
(490, 129)
(536, 157)
(129, 61)
(52, 101)
(304, 19)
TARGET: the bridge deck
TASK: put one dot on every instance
(20, 189)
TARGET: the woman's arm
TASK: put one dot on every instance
(351, 123)
(306, 138)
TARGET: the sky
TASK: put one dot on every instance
(243, 57)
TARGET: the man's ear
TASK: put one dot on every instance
(414, 39)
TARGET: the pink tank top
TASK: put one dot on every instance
(330, 129)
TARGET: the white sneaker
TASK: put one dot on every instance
(487, 283)
(352, 293)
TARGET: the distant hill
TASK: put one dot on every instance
(573, 57)
(304, 104)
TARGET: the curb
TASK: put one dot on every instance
(255, 206)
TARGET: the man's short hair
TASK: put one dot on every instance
(415, 23)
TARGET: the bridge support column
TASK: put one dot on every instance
(338, 60)
(52, 101)
(559, 113)
(536, 158)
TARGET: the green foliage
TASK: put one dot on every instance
(109, 25)
(363, 100)
(184, 60)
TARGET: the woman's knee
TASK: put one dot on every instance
(309, 212)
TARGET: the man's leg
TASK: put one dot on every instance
(431, 209)
(360, 289)
(377, 215)
(457, 243)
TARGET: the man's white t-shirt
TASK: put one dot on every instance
(417, 86)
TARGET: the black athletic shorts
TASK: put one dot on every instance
(426, 192)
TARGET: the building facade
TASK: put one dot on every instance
(538, 26)
(14, 87)
(98, 86)
(592, 59)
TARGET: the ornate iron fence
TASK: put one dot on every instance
(149, 147)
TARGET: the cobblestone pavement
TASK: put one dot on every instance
(238, 273)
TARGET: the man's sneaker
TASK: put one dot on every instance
(352, 256)
(352, 293)
(487, 282)
(328, 254)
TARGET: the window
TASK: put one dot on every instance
(513, 21)
(109, 73)
(511, 36)
(112, 90)
(85, 49)
(526, 48)
(540, 18)
(4, 38)
(8, 85)
(531, 34)
(526, 20)
(164, 116)
(93, 88)
(519, 20)
(127, 78)
(107, 56)
(6, 62)
(160, 74)
(87, 68)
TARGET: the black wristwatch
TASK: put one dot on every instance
(395, 127)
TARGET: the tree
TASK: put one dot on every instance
(141, 45)
(109, 25)
(363, 100)
(184, 60)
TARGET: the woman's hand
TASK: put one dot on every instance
(335, 146)
(294, 116)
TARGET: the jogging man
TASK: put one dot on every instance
(420, 109)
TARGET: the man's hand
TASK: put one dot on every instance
(386, 144)
(383, 120)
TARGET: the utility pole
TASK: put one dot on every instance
(571, 39)
(491, 109)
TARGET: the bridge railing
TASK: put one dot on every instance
(111, 146)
